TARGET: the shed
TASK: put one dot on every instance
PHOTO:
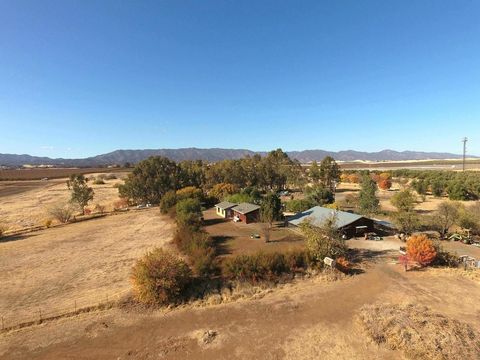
(347, 223)
(224, 209)
(247, 212)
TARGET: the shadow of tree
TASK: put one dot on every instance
(221, 246)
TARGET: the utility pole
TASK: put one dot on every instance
(464, 140)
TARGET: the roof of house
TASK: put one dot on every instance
(225, 205)
(317, 216)
(245, 208)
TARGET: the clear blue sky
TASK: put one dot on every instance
(78, 78)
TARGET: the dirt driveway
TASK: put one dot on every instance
(234, 238)
(86, 262)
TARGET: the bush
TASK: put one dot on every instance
(47, 223)
(421, 249)
(444, 258)
(61, 212)
(160, 278)
(122, 203)
(99, 182)
(189, 192)
(263, 266)
(168, 201)
(111, 177)
(203, 261)
(189, 213)
(99, 208)
(343, 264)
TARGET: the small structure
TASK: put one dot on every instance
(224, 209)
(246, 212)
(348, 224)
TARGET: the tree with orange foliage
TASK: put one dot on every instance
(421, 249)
(385, 184)
(385, 176)
(354, 178)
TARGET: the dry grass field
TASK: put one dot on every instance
(87, 262)
(26, 203)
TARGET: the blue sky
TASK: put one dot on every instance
(79, 78)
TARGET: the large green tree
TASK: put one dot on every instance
(368, 202)
(271, 208)
(150, 180)
(329, 172)
(314, 172)
(81, 192)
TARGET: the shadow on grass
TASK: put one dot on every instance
(10, 238)
(359, 255)
(221, 247)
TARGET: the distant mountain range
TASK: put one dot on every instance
(133, 156)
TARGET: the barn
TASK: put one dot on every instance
(247, 213)
(348, 224)
(224, 209)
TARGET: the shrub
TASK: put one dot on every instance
(111, 177)
(99, 182)
(160, 278)
(99, 208)
(189, 213)
(444, 258)
(263, 266)
(168, 201)
(203, 261)
(122, 203)
(61, 212)
(421, 249)
(47, 223)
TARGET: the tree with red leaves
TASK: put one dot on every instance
(421, 249)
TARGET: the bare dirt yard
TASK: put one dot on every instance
(76, 265)
(307, 319)
(234, 238)
(26, 203)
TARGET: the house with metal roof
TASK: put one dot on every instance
(348, 224)
(247, 212)
(224, 209)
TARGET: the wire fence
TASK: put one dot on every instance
(20, 318)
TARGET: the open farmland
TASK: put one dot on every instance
(76, 265)
(26, 203)
(454, 164)
(53, 173)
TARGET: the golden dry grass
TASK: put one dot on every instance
(419, 332)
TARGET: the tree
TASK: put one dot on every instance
(298, 205)
(314, 172)
(368, 202)
(221, 190)
(404, 200)
(169, 200)
(81, 192)
(189, 192)
(150, 180)
(323, 241)
(406, 221)
(271, 209)
(319, 195)
(421, 249)
(458, 191)
(329, 173)
(447, 215)
(437, 187)
(420, 186)
(385, 184)
(189, 213)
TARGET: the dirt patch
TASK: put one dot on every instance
(419, 332)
